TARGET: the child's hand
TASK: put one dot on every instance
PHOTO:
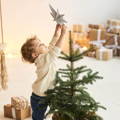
(63, 30)
(57, 30)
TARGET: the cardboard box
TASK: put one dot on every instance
(11, 112)
(104, 54)
(95, 34)
(96, 26)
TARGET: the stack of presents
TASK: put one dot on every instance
(103, 39)
(19, 108)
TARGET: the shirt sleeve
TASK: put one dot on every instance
(53, 41)
(53, 52)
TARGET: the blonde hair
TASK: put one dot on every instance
(27, 49)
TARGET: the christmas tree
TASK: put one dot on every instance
(69, 100)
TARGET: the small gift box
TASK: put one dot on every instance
(97, 34)
(19, 102)
(78, 28)
(113, 26)
(113, 22)
(113, 42)
(96, 26)
(111, 39)
(104, 54)
(11, 112)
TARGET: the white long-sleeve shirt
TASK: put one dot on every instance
(46, 70)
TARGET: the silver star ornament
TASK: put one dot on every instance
(57, 16)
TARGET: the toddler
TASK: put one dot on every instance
(34, 51)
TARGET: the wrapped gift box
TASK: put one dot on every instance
(104, 54)
(11, 112)
(94, 34)
(114, 30)
(78, 28)
(112, 39)
(113, 42)
(113, 22)
(115, 49)
(96, 26)
(19, 102)
(113, 26)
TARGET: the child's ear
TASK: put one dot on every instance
(34, 55)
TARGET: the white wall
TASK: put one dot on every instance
(23, 18)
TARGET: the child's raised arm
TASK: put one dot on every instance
(56, 34)
(59, 42)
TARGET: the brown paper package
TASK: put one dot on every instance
(93, 34)
(106, 55)
(20, 114)
(110, 39)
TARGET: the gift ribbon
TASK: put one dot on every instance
(101, 50)
(13, 112)
(98, 34)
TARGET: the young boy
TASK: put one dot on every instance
(34, 51)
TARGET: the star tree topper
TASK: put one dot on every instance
(57, 16)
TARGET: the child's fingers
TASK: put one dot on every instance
(64, 27)
(63, 30)
(58, 26)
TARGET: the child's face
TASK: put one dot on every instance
(40, 48)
